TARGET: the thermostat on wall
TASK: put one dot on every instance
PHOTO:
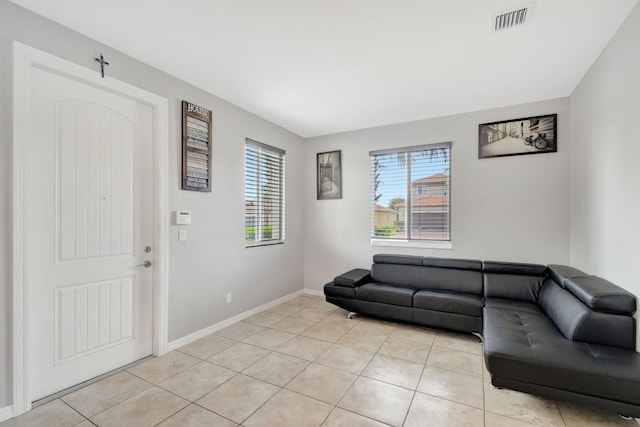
(183, 217)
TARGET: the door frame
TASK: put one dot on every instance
(26, 58)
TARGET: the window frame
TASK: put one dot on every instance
(258, 218)
(409, 241)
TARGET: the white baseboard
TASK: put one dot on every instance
(313, 292)
(188, 339)
(6, 413)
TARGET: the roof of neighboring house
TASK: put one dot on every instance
(439, 177)
(379, 208)
(251, 207)
(427, 201)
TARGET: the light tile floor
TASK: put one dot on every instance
(303, 363)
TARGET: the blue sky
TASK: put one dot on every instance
(393, 176)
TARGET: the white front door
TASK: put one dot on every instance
(88, 222)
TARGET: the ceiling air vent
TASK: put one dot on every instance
(510, 19)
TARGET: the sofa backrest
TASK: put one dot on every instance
(515, 281)
(457, 275)
(578, 321)
(399, 270)
(583, 307)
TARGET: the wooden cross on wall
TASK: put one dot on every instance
(102, 63)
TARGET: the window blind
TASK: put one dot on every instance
(410, 193)
(264, 194)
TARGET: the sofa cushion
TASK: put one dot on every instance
(601, 295)
(448, 302)
(353, 278)
(521, 343)
(397, 274)
(333, 290)
(578, 322)
(512, 286)
(393, 295)
(449, 279)
(513, 281)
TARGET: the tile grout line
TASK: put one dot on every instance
(280, 387)
(76, 411)
(151, 385)
(360, 375)
(310, 362)
(213, 412)
(331, 344)
(424, 366)
(89, 382)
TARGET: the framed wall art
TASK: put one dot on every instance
(196, 147)
(329, 175)
(529, 135)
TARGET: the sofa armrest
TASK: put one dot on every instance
(353, 278)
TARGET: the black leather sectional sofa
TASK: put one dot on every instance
(553, 331)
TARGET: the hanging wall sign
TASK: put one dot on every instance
(196, 147)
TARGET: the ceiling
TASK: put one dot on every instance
(318, 67)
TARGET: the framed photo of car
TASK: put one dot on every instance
(528, 135)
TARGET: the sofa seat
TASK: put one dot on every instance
(449, 302)
(394, 295)
(524, 349)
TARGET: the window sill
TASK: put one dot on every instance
(262, 245)
(412, 244)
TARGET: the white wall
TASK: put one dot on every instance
(514, 208)
(509, 209)
(605, 163)
(213, 261)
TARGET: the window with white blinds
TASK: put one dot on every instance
(410, 193)
(264, 194)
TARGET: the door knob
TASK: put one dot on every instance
(145, 264)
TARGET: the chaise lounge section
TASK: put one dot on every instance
(553, 331)
(569, 336)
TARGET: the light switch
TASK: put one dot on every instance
(182, 235)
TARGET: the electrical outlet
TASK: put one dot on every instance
(228, 297)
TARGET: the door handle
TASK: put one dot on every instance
(145, 264)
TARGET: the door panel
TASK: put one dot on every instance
(95, 182)
(92, 317)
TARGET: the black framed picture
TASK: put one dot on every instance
(528, 135)
(329, 175)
